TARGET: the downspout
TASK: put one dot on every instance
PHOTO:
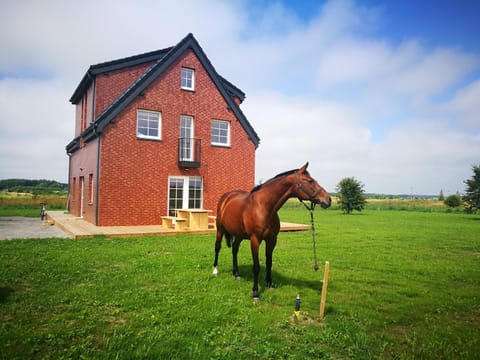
(97, 187)
(69, 181)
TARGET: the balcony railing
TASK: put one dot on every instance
(189, 152)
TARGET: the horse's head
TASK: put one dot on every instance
(307, 188)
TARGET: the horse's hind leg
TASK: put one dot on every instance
(218, 247)
(235, 247)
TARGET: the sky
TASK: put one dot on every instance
(387, 92)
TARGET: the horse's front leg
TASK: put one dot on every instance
(254, 244)
(269, 246)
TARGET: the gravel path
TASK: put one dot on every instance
(27, 228)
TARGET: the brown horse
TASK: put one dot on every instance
(253, 215)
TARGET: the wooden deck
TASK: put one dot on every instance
(78, 228)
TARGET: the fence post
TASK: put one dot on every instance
(324, 290)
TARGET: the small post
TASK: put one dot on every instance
(297, 306)
(324, 290)
(43, 213)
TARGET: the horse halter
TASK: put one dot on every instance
(310, 208)
(311, 196)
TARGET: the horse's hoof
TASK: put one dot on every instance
(215, 271)
(255, 299)
(237, 277)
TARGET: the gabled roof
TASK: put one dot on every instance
(163, 59)
(113, 65)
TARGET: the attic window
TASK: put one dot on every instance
(149, 124)
(188, 79)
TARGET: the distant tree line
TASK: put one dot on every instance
(36, 187)
(351, 194)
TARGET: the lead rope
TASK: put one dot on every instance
(312, 223)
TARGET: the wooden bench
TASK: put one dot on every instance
(172, 222)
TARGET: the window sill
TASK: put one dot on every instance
(221, 146)
(148, 139)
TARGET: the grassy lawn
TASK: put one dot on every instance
(403, 285)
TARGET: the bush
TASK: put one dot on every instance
(453, 201)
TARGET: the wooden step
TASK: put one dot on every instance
(172, 222)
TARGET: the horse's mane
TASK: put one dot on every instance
(286, 173)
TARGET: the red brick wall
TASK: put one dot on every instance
(84, 111)
(134, 172)
(109, 86)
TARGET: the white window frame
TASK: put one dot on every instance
(217, 121)
(187, 76)
(149, 114)
(185, 180)
(186, 128)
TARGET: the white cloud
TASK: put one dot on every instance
(64, 37)
(333, 90)
(35, 125)
(465, 106)
(425, 155)
(433, 73)
(295, 130)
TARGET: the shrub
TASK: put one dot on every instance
(453, 201)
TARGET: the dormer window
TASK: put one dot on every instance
(188, 79)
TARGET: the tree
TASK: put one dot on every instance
(472, 193)
(351, 195)
(441, 197)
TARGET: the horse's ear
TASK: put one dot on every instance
(304, 168)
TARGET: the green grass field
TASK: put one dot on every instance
(402, 285)
(29, 205)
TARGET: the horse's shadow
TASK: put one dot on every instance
(5, 292)
(279, 280)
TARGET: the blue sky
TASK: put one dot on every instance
(447, 22)
(385, 91)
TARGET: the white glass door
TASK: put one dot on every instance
(184, 192)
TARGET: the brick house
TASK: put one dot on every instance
(154, 133)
